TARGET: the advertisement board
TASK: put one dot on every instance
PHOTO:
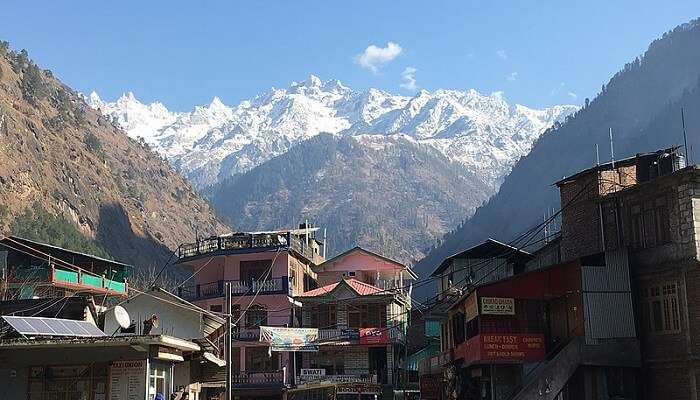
(497, 306)
(374, 336)
(290, 339)
(518, 347)
(471, 307)
(127, 380)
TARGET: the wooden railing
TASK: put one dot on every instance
(252, 379)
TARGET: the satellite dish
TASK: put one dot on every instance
(122, 317)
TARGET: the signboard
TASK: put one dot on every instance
(497, 306)
(374, 336)
(471, 307)
(311, 374)
(358, 388)
(290, 339)
(518, 347)
(127, 380)
(349, 334)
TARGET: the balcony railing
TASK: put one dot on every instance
(238, 288)
(259, 379)
(245, 241)
(79, 279)
(345, 378)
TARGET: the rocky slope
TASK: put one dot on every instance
(57, 152)
(641, 104)
(211, 143)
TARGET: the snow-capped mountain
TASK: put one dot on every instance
(210, 143)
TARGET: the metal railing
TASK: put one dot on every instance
(233, 242)
(238, 288)
(259, 378)
(394, 333)
(365, 377)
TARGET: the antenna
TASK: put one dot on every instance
(685, 138)
(612, 150)
(597, 156)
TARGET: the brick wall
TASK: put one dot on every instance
(580, 232)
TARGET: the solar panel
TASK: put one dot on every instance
(39, 326)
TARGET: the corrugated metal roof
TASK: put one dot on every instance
(359, 287)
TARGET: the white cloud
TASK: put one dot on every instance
(409, 79)
(374, 57)
(502, 54)
(573, 95)
(512, 77)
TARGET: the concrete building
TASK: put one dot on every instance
(266, 270)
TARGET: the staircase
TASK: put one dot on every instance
(549, 378)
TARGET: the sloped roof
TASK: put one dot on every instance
(489, 248)
(359, 287)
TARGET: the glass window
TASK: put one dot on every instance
(158, 380)
(660, 308)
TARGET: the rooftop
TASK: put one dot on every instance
(489, 248)
(104, 341)
(359, 287)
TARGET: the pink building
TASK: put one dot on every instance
(266, 270)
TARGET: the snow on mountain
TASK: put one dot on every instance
(210, 143)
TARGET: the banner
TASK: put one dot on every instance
(496, 347)
(374, 336)
(471, 307)
(290, 339)
(497, 306)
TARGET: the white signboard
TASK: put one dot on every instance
(497, 306)
(312, 374)
(127, 380)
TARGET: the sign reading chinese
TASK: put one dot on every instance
(358, 388)
(290, 339)
(502, 347)
(430, 386)
(374, 336)
(497, 306)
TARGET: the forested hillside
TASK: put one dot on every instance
(641, 104)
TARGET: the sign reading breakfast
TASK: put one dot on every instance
(497, 306)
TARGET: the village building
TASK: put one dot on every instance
(597, 311)
(265, 271)
(362, 314)
(648, 205)
(33, 269)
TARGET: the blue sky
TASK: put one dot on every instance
(538, 53)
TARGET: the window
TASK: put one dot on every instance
(660, 308)
(158, 380)
(325, 316)
(255, 316)
(255, 270)
(650, 224)
(367, 316)
(257, 359)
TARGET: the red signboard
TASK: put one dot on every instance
(514, 347)
(374, 336)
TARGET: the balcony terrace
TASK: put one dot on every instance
(335, 336)
(253, 379)
(246, 243)
(238, 288)
(68, 279)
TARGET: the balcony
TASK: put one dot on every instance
(69, 279)
(259, 379)
(246, 334)
(364, 377)
(238, 288)
(246, 242)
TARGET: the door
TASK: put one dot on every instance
(377, 363)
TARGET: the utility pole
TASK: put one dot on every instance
(685, 139)
(227, 342)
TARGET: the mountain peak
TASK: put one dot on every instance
(217, 103)
(313, 81)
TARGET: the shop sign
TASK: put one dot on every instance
(290, 339)
(471, 307)
(127, 380)
(522, 347)
(312, 373)
(374, 336)
(497, 306)
(358, 388)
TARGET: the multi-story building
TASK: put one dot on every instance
(265, 271)
(648, 205)
(362, 311)
(605, 309)
(31, 269)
